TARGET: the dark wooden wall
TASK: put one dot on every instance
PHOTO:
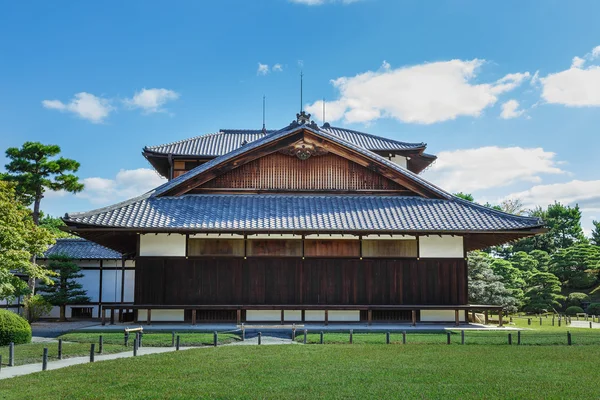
(291, 281)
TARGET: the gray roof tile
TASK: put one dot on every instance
(81, 249)
(303, 213)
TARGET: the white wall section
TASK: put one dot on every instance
(441, 316)
(161, 315)
(162, 244)
(263, 315)
(444, 246)
(344, 316)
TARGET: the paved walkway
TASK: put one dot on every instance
(584, 324)
(11, 372)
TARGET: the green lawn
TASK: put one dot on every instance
(153, 339)
(31, 353)
(308, 372)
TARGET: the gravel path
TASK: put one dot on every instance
(46, 329)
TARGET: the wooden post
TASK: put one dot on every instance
(216, 338)
(100, 344)
(259, 338)
(282, 317)
(11, 354)
(194, 317)
(487, 317)
(462, 337)
(305, 332)
(149, 317)
(112, 316)
(387, 338)
(177, 343)
(510, 338)
(528, 321)
(456, 318)
(303, 315)
(326, 317)
(350, 336)
(126, 339)
(448, 338)
(414, 317)
(518, 337)
(403, 337)
(103, 319)
(540, 321)
(45, 359)
(322, 338)
(135, 345)
(92, 351)
(569, 342)
(243, 333)
(370, 317)
(239, 316)
(173, 339)
(60, 349)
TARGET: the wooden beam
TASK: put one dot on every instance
(149, 317)
(194, 316)
(414, 317)
(456, 317)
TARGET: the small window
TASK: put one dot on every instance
(389, 248)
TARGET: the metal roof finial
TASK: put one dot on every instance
(264, 129)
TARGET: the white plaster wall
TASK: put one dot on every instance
(401, 161)
(445, 246)
(314, 315)
(129, 263)
(441, 316)
(129, 286)
(292, 315)
(344, 316)
(111, 285)
(91, 283)
(263, 315)
(162, 245)
(162, 315)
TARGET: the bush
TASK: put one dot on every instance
(594, 309)
(37, 307)
(573, 310)
(13, 329)
(576, 298)
(582, 280)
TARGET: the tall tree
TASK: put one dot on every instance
(20, 241)
(513, 206)
(34, 168)
(542, 258)
(576, 266)
(543, 293)
(485, 287)
(66, 289)
(595, 239)
(53, 225)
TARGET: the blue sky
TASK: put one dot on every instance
(507, 94)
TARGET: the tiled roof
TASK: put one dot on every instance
(81, 249)
(288, 131)
(227, 140)
(303, 213)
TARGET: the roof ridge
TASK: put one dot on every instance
(421, 144)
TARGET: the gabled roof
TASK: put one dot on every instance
(81, 249)
(208, 212)
(288, 131)
(227, 140)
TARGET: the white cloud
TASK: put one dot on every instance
(425, 93)
(277, 68)
(584, 193)
(84, 105)
(510, 109)
(151, 100)
(125, 185)
(471, 170)
(263, 69)
(574, 87)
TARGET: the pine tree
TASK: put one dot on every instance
(66, 290)
(543, 293)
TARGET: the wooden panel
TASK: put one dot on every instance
(389, 248)
(293, 281)
(331, 248)
(216, 247)
(274, 247)
(285, 172)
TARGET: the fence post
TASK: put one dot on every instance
(528, 321)
(135, 347)
(559, 322)
(590, 324)
(0, 362)
(45, 359)
(293, 332)
(510, 338)
(126, 339)
(569, 342)
(351, 336)
(177, 343)
(387, 338)
(243, 333)
(259, 338)
(11, 354)
(403, 337)
(519, 337)
(540, 321)
(60, 349)
(92, 350)
(140, 338)
(216, 338)
(448, 338)
(173, 339)
(322, 339)
(305, 336)
(553, 320)
(100, 344)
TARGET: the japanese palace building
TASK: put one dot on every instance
(305, 223)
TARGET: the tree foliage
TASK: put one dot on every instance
(20, 240)
(543, 293)
(595, 239)
(576, 265)
(65, 288)
(34, 169)
(485, 287)
(53, 225)
(465, 196)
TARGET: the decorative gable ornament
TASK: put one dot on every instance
(303, 150)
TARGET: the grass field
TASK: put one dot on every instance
(308, 372)
(31, 353)
(153, 339)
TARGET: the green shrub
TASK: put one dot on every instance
(13, 329)
(576, 298)
(594, 309)
(37, 307)
(573, 310)
(582, 280)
